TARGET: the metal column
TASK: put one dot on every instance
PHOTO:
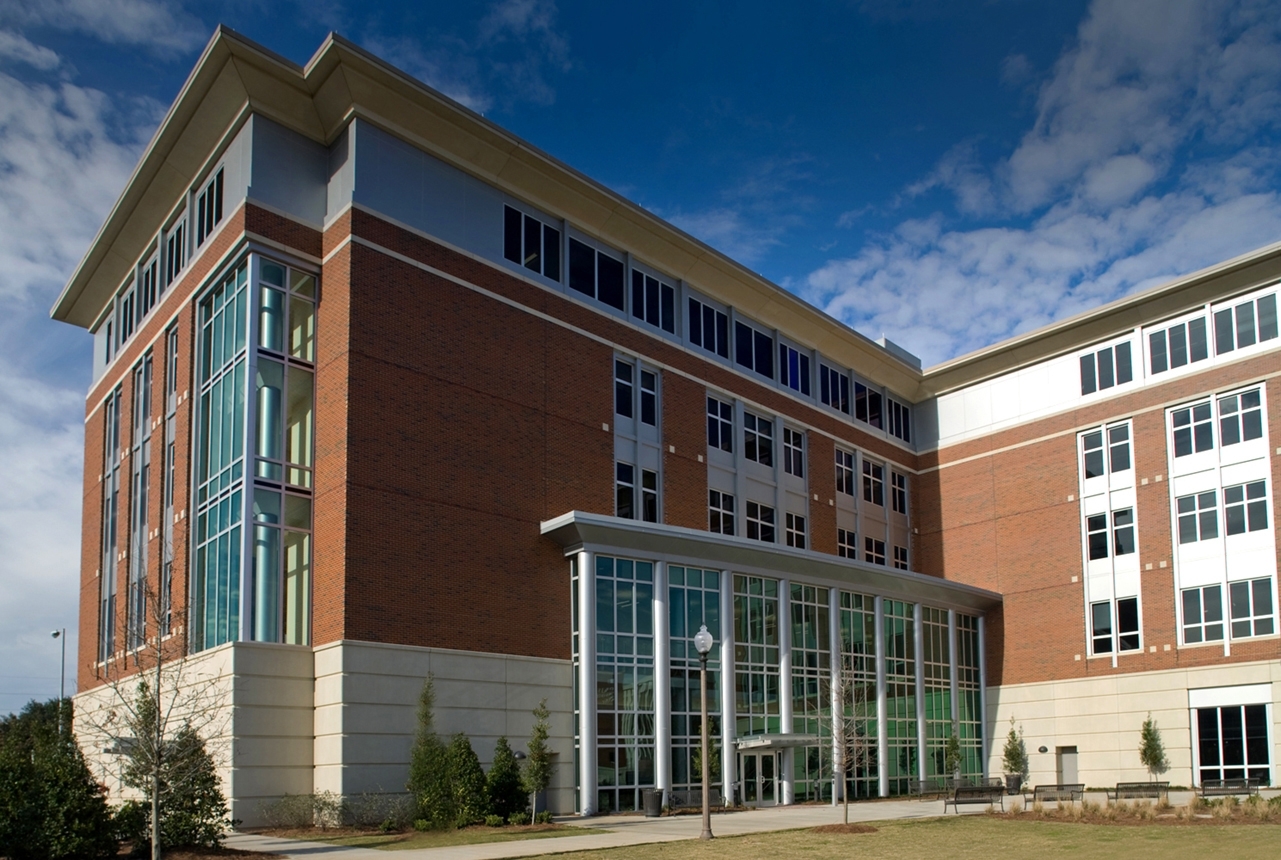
(729, 756)
(786, 723)
(587, 683)
(662, 684)
(882, 720)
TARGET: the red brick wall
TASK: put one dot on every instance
(684, 425)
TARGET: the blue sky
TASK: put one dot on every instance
(945, 173)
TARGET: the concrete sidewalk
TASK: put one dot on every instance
(614, 831)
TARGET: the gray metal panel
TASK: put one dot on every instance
(342, 173)
(235, 162)
(290, 172)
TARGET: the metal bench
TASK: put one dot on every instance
(694, 798)
(1140, 791)
(923, 788)
(1225, 787)
(1059, 792)
(987, 795)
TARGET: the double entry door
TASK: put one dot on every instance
(758, 781)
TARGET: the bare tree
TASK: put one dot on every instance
(157, 709)
(849, 690)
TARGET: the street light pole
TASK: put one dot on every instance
(703, 644)
(62, 677)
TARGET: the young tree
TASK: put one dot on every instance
(538, 767)
(849, 726)
(1151, 749)
(466, 782)
(503, 781)
(952, 757)
(1014, 756)
(428, 771)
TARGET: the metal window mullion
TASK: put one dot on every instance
(729, 760)
(249, 451)
(882, 721)
(918, 637)
(587, 682)
(835, 668)
(662, 683)
(984, 735)
(786, 718)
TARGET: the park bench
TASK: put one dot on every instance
(1224, 787)
(1140, 791)
(923, 788)
(987, 795)
(1059, 792)
(694, 798)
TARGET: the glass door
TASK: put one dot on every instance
(760, 778)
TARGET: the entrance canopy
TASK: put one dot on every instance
(777, 741)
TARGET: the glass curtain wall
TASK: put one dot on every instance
(899, 642)
(624, 682)
(139, 525)
(110, 516)
(937, 669)
(969, 710)
(858, 661)
(756, 666)
(694, 600)
(811, 690)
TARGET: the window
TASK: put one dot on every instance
(126, 308)
(1198, 517)
(1108, 367)
(873, 483)
(760, 522)
(209, 208)
(1178, 345)
(649, 496)
(1245, 325)
(1245, 507)
(900, 420)
(1232, 743)
(758, 439)
(139, 522)
(708, 328)
(720, 512)
(175, 251)
(1127, 627)
(649, 398)
(834, 388)
(795, 530)
(625, 491)
(529, 242)
(654, 301)
(1092, 445)
(754, 349)
(1251, 604)
(596, 274)
(846, 543)
(898, 492)
(147, 287)
(794, 369)
(624, 391)
(1240, 418)
(867, 405)
(1193, 429)
(873, 550)
(1096, 536)
(794, 452)
(1106, 451)
(844, 472)
(110, 525)
(1203, 614)
(900, 557)
(1123, 532)
(720, 425)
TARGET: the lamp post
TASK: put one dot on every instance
(703, 644)
(62, 677)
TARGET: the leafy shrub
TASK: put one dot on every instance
(503, 781)
(130, 821)
(544, 817)
(494, 821)
(294, 811)
(421, 824)
(375, 809)
(519, 819)
(428, 767)
(466, 782)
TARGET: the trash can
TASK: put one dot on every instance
(653, 800)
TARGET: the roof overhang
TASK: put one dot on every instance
(576, 531)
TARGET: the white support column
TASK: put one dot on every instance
(882, 721)
(952, 664)
(837, 706)
(729, 755)
(785, 721)
(662, 684)
(587, 683)
(987, 735)
(918, 636)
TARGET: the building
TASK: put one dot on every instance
(381, 391)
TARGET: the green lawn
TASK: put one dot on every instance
(975, 836)
(443, 838)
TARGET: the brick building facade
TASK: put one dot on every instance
(459, 410)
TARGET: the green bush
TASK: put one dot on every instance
(421, 824)
(375, 809)
(503, 782)
(518, 818)
(538, 766)
(293, 811)
(428, 767)
(130, 820)
(544, 817)
(494, 821)
(466, 782)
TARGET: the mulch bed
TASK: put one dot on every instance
(845, 828)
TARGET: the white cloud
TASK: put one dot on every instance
(160, 25)
(729, 231)
(14, 46)
(65, 152)
(1102, 196)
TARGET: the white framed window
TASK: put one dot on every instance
(874, 484)
(720, 512)
(1240, 417)
(794, 368)
(868, 405)
(596, 273)
(1251, 606)
(1193, 429)
(209, 208)
(654, 301)
(900, 557)
(1106, 637)
(873, 551)
(760, 522)
(1106, 451)
(1102, 369)
(846, 543)
(148, 286)
(758, 439)
(845, 472)
(1245, 508)
(1183, 343)
(531, 243)
(898, 492)
(1232, 742)
(1246, 324)
(631, 502)
(1198, 517)
(624, 389)
(175, 251)
(834, 388)
(1121, 532)
(754, 348)
(708, 327)
(899, 424)
(1202, 614)
(795, 530)
(720, 425)
(794, 452)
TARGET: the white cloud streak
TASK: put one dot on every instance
(1103, 195)
(17, 48)
(160, 26)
